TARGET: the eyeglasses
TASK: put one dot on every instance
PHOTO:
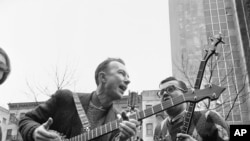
(169, 90)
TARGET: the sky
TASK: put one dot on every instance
(47, 36)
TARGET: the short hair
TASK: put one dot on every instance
(181, 83)
(104, 65)
(6, 73)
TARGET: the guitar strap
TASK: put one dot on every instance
(81, 113)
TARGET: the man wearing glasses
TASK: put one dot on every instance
(4, 71)
(205, 126)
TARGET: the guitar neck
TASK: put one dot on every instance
(114, 125)
(191, 107)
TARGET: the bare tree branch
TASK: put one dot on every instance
(60, 81)
(32, 91)
(237, 94)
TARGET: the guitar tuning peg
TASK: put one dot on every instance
(216, 54)
(119, 116)
(211, 39)
(209, 85)
(192, 89)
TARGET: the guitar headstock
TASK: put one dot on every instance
(212, 92)
(215, 40)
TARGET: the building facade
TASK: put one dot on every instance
(16, 111)
(4, 121)
(149, 99)
(192, 22)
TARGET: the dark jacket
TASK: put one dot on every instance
(61, 108)
(205, 126)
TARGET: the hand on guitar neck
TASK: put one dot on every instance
(128, 128)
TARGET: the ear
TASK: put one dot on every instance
(102, 77)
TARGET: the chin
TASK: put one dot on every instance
(117, 96)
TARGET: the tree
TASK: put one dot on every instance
(58, 79)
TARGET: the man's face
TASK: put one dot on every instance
(169, 92)
(117, 80)
(2, 63)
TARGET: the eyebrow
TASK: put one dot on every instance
(124, 72)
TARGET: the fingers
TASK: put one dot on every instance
(184, 137)
(43, 134)
(128, 128)
(43, 138)
(48, 123)
(137, 123)
(47, 134)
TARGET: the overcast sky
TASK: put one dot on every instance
(40, 36)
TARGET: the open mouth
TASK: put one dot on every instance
(122, 87)
(166, 98)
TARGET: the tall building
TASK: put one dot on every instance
(192, 22)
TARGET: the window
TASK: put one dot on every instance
(9, 131)
(4, 120)
(149, 129)
(13, 118)
(22, 115)
(148, 106)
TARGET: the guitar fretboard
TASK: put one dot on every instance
(191, 108)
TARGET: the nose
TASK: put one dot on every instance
(166, 97)
(126, 80)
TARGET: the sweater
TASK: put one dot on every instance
(205, 126)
